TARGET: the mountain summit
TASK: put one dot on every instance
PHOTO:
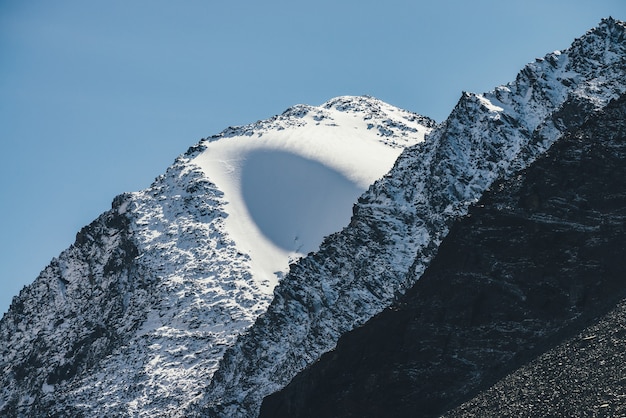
(292, 180)
(135, 315)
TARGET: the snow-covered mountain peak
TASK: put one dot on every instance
(369, 106)
(133, 318)
(602, 43)
(547, 96)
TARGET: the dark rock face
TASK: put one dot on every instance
(584, 376)
(537, 259)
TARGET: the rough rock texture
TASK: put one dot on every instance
(536, 260)
(583, 376)
(399, 223)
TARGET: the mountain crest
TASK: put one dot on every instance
(386, 120)
(537, 257)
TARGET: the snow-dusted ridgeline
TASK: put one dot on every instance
(133, 318)
(399, 222)
(537, 258)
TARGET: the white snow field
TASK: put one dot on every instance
(289, 187)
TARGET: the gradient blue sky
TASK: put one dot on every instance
(99, 97)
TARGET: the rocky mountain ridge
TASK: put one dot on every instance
(399, 222)
(141, 316)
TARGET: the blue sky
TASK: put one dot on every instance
(99, 97)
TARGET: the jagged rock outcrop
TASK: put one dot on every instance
(583, 375)
(536, 260)
(81, 307)
(399, 223)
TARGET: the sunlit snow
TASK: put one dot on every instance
(288, 188)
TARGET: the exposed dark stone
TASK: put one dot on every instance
(583, 376)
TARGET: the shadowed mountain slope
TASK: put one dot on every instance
(537, 260)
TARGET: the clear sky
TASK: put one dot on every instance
(99, 97)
